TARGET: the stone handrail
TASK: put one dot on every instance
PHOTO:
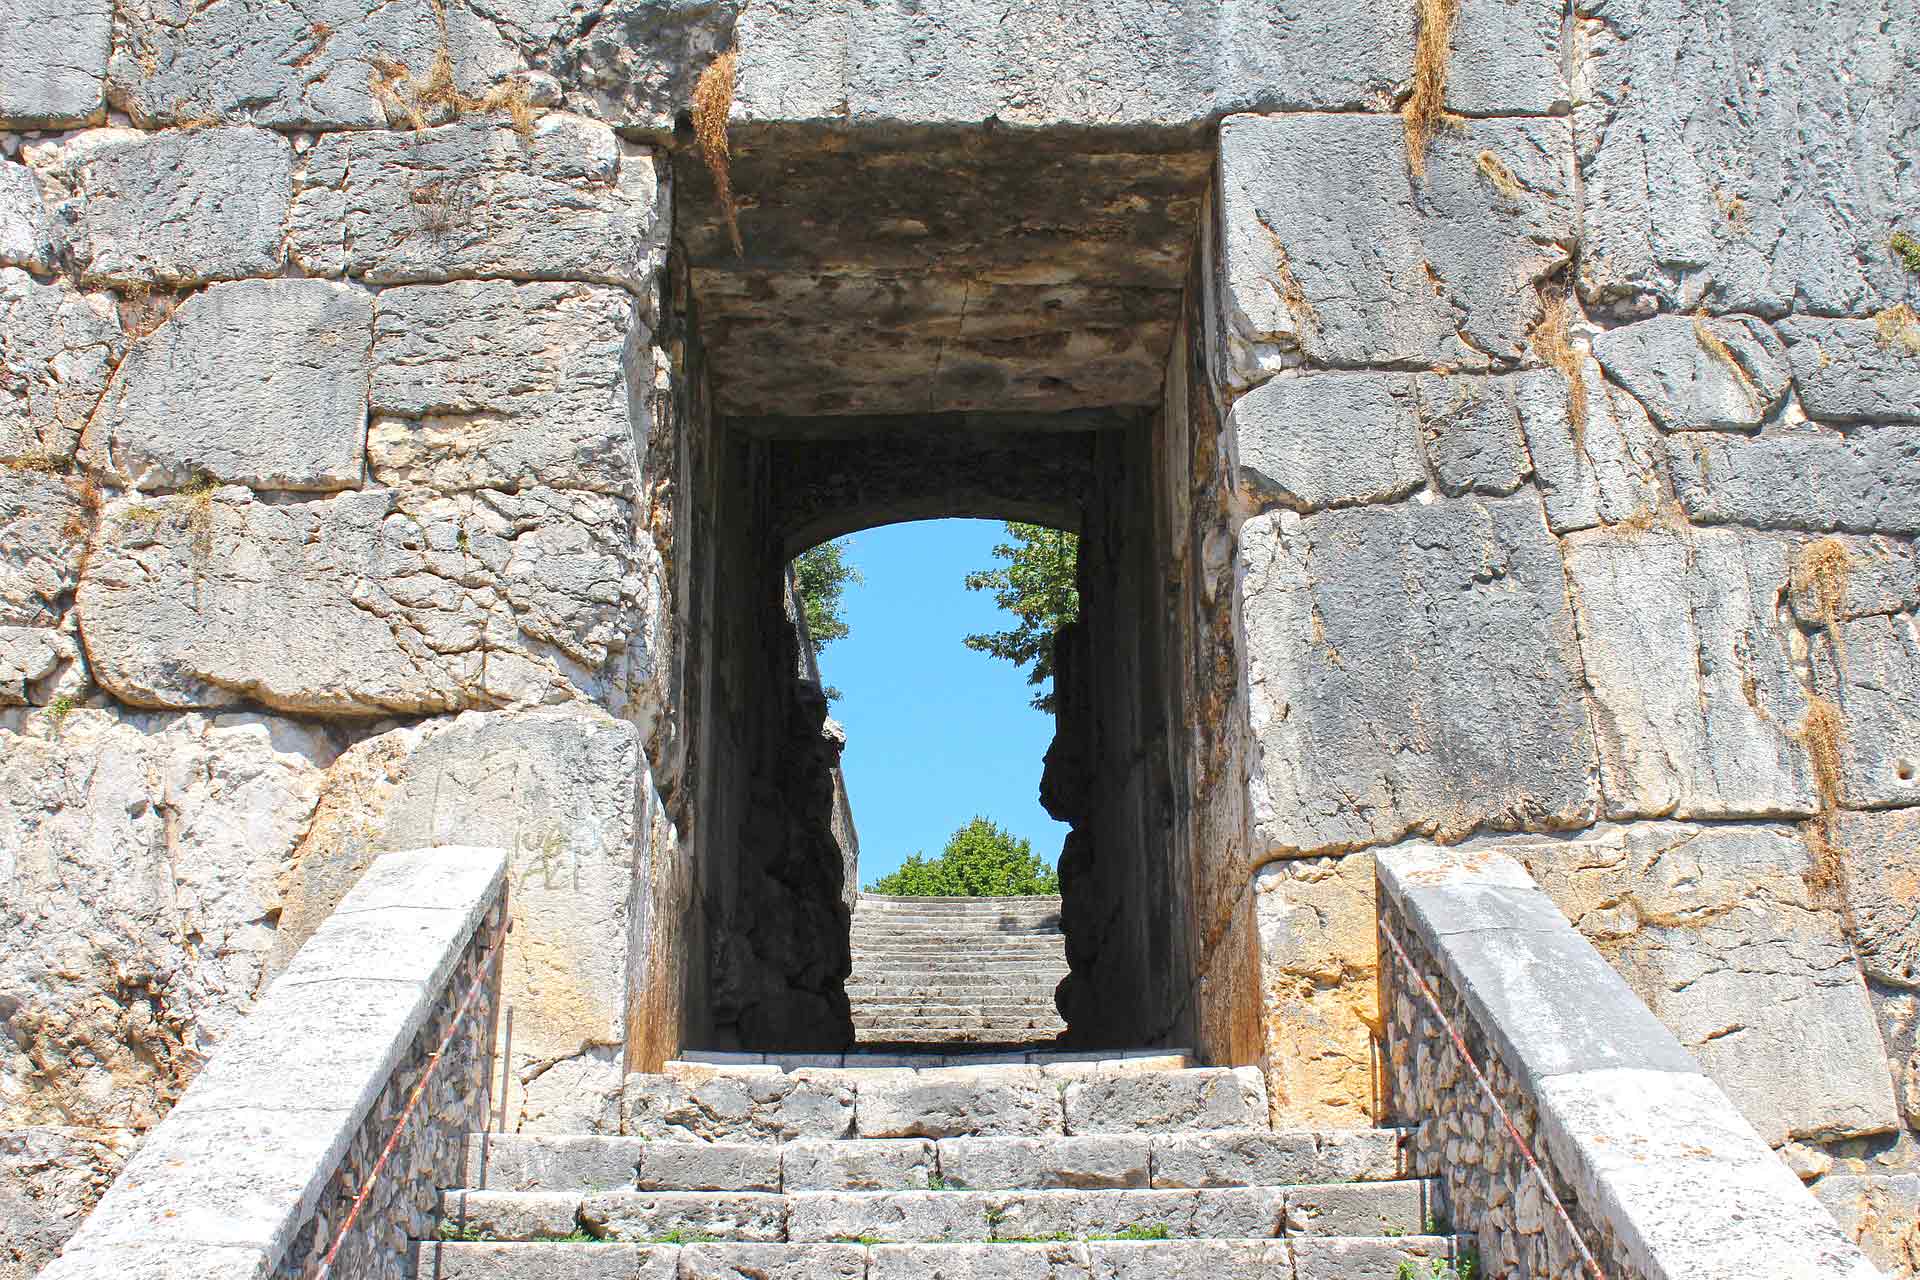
(1616, 1138)
(255, 1170)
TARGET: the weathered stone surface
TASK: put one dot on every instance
(888, 1165)
(1873, 682)
(57, 348)
(559, 790)
(1257, 1157)
(1314, 918)
(709, 1166)
(1697, 705)
(53, 57)
(141, 886)
(1167, 1101)
(640, 1216)
(572, 201)
(1881, 1214)
(513, 1215)
(49, 1178)
(1688, 387)
(178, 208)
(26, 233)
(1442, 272)
(1866, 480)
(957, 1102)
(1052, 1261)
(1360, 744)
(568, 1261)
(1881, 853)
(1846, 373)
(43, 534)
(1707, 182)
(1471, 428)
(1331, 440)
(889, 1217)
(551, 1162)
(29, 656)
(303, 66)
(634, 62)
(988, 1164)
(1600, 471)
(369, 603)
(773, 1262)
(494, 385)
(257, 382)
(728, 1107)
(1718, 930)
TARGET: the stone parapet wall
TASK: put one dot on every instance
(1641, 1158)
(324, 1090)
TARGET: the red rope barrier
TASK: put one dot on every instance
(418, 1092)
(1526, 1152)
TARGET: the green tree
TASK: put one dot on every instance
(824, 573)
(980, 861)
(1037, 586)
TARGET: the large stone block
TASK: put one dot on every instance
(1199, 1098)
(729, 1106)
(1331, 440)
(1319, 997)
(489, 384)
(257, 382)
(1718, 930)
(1332, 247)
(958, 1102)
(1869, 671)
(1881, 1213)
(1697, 704)
(1846, 372)
(1686, 383)
(43, 531)
(26, 233)
(57, 348)
(573, 201)
(1601, 469)
(177, 208)
(1880, 853)
(327, 64)
(365, 604)
(1706, 181)
(53, 58)
(1471, 428)
(1866, 480)
(31, 662)
(987, 1164)
(1449, 702)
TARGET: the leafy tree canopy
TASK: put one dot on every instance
(1037, 586)
(980, 861)
(823, 574)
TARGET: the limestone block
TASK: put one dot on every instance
(1471, 429)
(1602, 470)
(1697, 704)
(140, 859)
(1167, 1101)
(884, 1165)
(1864, 481)
(571, 202)
(258, 382)
(505, 1215)
(53, 57)
(642, 1216)
(901, 1216)
(552, 1261)
(1440, 273)
(730, 1261)
(551, 1162)
(988, 1164)
(1845, 372)
(1254, 1212)
(43, 533)
(1063, 1260)
(1319, 998)
(26, 233)
(1257, 1157)
(730, 1107)
(1872, 680)
(368, 603)
(1882, 1215)
(1881, 853)
(1331, 440)
(312, 65)
(1358, 743)
(955, 1102)
(177, 208)
(559, 791)
(28, 656)
(489, 384)
(1706, 182)
(57, 348)
(1688, 386)
(1718, 930)
(708, 1166)
(636, 64)
(49, 1178)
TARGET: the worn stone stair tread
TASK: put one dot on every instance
(1295, 1258)
(1327, 1209)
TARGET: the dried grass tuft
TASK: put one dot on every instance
(1496, 172)
(1823, 733)
(1715, 346)
(1552, 341)
(1821, 570)
(1826, 878)
(1898, 327)
(712, 104)
(198, 497)
(1426, 111)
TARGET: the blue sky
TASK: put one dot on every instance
(935, 732)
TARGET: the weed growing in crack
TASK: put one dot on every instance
(59, 709)
(1714, 345)
(1426, 112)
(1552, 341)
(1822, 570)
(712, 103)
(1496, 172)
(1898, 328)
(1906, 251)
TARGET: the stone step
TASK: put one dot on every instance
(941, 967)
(1289, 1258)
(1052, 1062)
(957, 1038)
(1226, 1158)
(935, 1005)
(1023, 946)
(1405, 1206)
(893, 902)
(883, 985)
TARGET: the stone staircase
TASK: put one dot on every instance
(956, 970)
(1058, 1167)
